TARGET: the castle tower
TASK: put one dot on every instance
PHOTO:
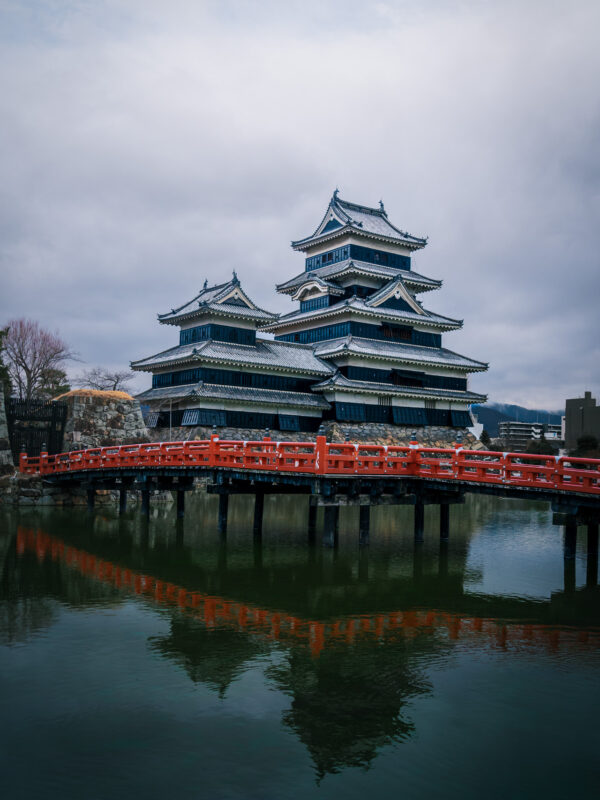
(359, 309)
(220, 373)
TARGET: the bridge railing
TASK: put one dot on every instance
(345, 458)
(485, 466)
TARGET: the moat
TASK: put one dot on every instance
(161, 658)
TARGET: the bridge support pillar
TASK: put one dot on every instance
(122, 501)
(180, 503)
(444, 521)
(223, 508)
(364, 525)
(331, 525)
(312, 519)
(417, 560)
(443, 561)
(570, 538)
(146, 502)
(257, 552)
(259, 505)
(91, 499)
(419, 520)
(363, 565)
(591, 578)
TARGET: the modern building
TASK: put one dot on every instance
(359, 309)
(517, 435)
(582, 418)
(360, 347)
(222, 374)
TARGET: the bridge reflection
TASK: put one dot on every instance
(502, 621)
(356, 632)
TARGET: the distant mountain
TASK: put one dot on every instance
(493, 413)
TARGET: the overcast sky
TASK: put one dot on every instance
(146, 146)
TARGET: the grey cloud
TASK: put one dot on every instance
(144, 149)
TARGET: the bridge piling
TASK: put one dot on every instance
(146, 502)
(223, 508)
(331, 521)
(570, 537)
(444, 521)
(591, 578)
(417, 561)
(259, 504)
(419, 519)
(363, 565)
(443, 559)
(312, 519)
(364, 525)
(180, 503)
(592, 538)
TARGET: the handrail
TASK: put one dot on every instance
(564, 473)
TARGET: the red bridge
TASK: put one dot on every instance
(333, 474)
(565, 473)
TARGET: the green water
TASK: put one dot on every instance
(158, 660)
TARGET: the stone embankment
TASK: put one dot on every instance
(30, 490)
(94, 419)
(367, 433)
(97, 419)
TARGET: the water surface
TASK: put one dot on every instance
(166, 660)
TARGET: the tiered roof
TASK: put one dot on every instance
(241, 394)
(354, 267)
(415, 355)
(265, 354)
(225, 299)
(342, 218)
(342, 383)
(365, 308)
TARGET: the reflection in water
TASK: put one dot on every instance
(349, 702)
(355, 631)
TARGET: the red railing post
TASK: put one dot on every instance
(413, 467)
(23, 461)
(456, 459)
(213, 446)
(321, 455)
(43, 459)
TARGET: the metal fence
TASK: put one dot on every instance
(33, 423)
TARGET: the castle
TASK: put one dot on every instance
(360, 347)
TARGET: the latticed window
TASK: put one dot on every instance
(429, 403)
(152, 419)
(289, 422)
(409, 416)
(350, 412)
(190, 417)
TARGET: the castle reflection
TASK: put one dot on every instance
(356, 630)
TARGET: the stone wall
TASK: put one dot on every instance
(6, 459)
(372, 433)
(31, 491)
(97, 419)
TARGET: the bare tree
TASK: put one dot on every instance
(31, 353)
(104, 379)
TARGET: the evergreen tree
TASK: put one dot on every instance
(53, 382)
(587, 447)
(540, 446)
(485, 439)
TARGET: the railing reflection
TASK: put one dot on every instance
(220, 612)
